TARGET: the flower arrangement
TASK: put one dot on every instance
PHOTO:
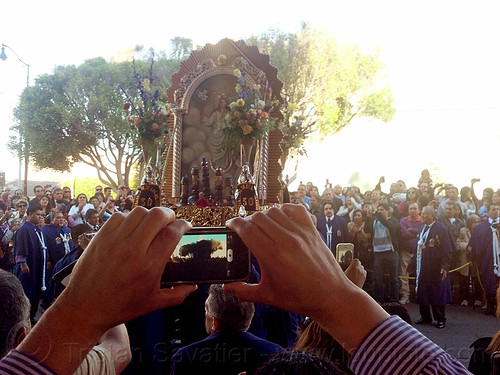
(294, 130)
(150, 113)
(249, 115)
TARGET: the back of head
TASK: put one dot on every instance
(79, 229)
(299, 363)
(14, 311)
(232, 314)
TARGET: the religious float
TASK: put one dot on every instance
(222, 155)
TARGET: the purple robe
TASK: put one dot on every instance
(27, 244)
(482, 255)
(55, 242)
(436, 254)
(340, 233)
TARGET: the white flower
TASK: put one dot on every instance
(261, 104)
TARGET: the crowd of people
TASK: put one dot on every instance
(389, 234)
(419, 233)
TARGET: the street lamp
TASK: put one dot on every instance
(3, 57)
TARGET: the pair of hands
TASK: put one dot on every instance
(118, 276)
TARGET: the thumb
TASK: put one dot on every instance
(246, 292)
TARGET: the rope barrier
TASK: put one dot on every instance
(453, 270)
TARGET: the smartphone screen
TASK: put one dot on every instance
(207, 256)
(345, 253)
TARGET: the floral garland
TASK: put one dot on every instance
(248, 116)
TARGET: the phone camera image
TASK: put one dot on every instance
(206, 256)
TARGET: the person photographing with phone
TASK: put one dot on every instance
(118, 278)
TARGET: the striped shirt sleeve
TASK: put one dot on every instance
(19, 363)
(396, 348)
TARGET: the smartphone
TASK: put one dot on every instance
(344, 253)
(208, 255)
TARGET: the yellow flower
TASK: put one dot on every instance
(240, 102)
(247, 129)
(238, 88)
(146, 83)
(237, 73)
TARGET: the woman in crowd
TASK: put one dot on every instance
(78, 211)
(411, 197)
(67, 196)
(466, 198)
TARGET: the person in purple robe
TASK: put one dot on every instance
(433, 257)
(485, 251)
(58, 237)
(31, 255)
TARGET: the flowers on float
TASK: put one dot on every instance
(294, 130)
(147, 107)
(247, 116)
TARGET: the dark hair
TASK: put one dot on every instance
(90, 212)
(61, 207)
(232, 314)
(33, 208)
(14, 311)
(37, 186)
(385, 206)
(79, 229)
(298, 363)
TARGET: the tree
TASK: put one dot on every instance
(181, 48)
(329, 82)
(76, 115)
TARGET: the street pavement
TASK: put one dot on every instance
(463, 326)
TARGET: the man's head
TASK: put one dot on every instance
(57, 219)
(92, 217)
(328, 195)
(428, 215)
(22, 207)
(328, 209)
(57, 194)
(301, 190)
(452, 193)
(39, 191)
(413, 210)
(78, 233)
(98, 188)
(375, 196)
(34, 214)
(224, 312)
(300, 362)
(493, 211)
(14, 312)
(384, 209)
(401, 186)
(449, 210)
(107, 191)
(337, 189)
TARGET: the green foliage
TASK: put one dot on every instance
(76, 114)
(85, 185)
(330, 82)
(181, 48)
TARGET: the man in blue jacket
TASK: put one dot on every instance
(229, 349)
